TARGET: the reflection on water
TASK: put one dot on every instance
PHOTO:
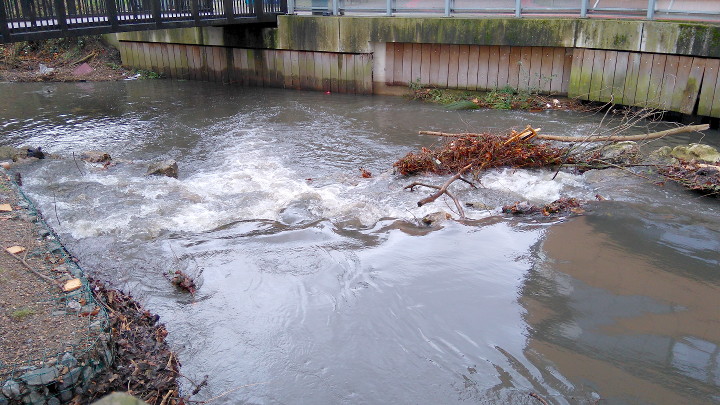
(631, 316)
(319, 286)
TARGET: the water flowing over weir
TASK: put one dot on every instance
(317, 286)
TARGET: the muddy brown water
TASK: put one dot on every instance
(317, 286)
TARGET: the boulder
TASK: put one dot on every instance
(41, 376)
(119, 398)
(11, 389)
(696, 151)
(624, 152)
(479, 206)
(68, 360)
(95, 156)
(165, 168)
(10, 153)
(662, 155)
(436, 218)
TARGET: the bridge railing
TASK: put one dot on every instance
(702, 10)
(27, 19)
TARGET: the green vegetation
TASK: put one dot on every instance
(505, 98)
(22, 313)
(49, 50)
(148, 74)
(113, 66)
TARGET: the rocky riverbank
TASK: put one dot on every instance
(66, 339)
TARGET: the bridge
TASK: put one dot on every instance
(24, 20)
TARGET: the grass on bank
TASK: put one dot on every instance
(505, 98)
(22, 314)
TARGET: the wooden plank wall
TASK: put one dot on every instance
(686, 84)
(321, 71)
(478, 67)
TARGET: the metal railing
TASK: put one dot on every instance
(695, 10)
(35, 19)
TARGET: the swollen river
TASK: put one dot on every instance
(319, 286)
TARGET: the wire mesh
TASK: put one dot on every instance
(60, 373)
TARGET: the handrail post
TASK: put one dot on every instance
(228, 10)
(518, 9)
(447, 8)
(61, 15)
(583, 8)
(290, 6)
(651, 9)
(4, 29)
(156, 12)
(258, 8)
(112, 14)
(336, 7)
(389, 8)
(195, 11)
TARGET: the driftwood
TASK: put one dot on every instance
(50, 280)
(443, 190)
(611, 138)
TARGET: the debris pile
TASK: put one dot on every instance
(700, 177)
(144, 365)
(482, 151)
(182, 281)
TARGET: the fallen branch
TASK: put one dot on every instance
(538, 397)
(443, 190)
(84, 59)
(50, 280)
(610, 138)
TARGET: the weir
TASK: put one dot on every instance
(667, 65)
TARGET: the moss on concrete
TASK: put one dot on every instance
(307, 33)
(609, 34)
(698, 39)
(659, 37)
(354, 34)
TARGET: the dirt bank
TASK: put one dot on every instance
(61, 60)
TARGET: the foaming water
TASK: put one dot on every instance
(320, 286)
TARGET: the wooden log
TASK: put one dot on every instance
(611, 138)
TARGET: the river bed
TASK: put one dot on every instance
(319, 286)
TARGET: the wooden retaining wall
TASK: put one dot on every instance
(687, 84)
(322, 71)
(670, 82)
(479, 67)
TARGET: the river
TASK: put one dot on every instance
(318, 286)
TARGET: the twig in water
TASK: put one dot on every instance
(77, 165)
(55, 206)
(198, 387)
(539, 398)
(625, 169)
